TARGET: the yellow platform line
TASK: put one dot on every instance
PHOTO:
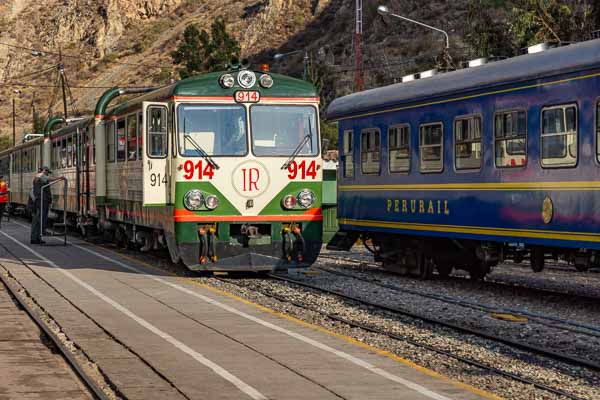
(347, 339)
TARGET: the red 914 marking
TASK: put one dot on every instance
(304, 170)
(189, 168)
(246, 96)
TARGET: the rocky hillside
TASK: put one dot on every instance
(127, 42)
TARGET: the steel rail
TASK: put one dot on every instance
(492, 281)
(541, 319)
(446, 353)
(471, 331)
(89, 381)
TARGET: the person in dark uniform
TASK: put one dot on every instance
(3, 197)
(40, 210)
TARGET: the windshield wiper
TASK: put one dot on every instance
(201, 151)
(305, 140)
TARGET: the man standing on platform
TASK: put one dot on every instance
(3, 197)
(40, 210)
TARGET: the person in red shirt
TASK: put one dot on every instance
(3, 197)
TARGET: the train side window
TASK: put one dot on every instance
(598, 131)
(157, 132)
(69, 151)
(121, 142)
(110, 141)
(140, 144)
(467, 142)
(510, 139)
(399, 148)
(132, 150)
(348, 153)
(63, 153)
(559, 136)
(370, 151)
(431, 147)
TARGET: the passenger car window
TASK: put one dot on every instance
(63, 153)
(510, 139)
(121, 142)
(348, 151)
(399, 148)
(467, 143)
(157, 132)
(132, 150)
(598, 131)
(431, 147)
(559, 136)
(370, 151)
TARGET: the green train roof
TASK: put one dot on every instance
(207, 85)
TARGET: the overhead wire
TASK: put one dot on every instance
(58, 54)
(38, 72)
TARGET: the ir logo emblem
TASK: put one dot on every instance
(251, 179)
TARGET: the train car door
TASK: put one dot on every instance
(156, 154)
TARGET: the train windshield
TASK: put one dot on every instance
(214, 130)
(284, 130)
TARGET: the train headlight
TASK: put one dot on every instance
(246, 79)
(193, 200)
(288, 202)
(227, 81)
(306, 198)
(211, 202)
(266, 81)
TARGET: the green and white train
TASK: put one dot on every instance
(223, 169)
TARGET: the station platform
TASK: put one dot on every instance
(28, 367)
(158, 336)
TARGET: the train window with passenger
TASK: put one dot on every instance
(370, 150)
(559, 136)
(121, 142)
(467, 142)
(110, 141)
(510, 137)
(431, 146)
(399, 148)
(132, 150)
(157, 132)
(348, 153)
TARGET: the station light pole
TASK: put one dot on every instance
(14, 115)
(306, 60)
(384, 10)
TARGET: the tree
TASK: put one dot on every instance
(5, 142)
(200, 52)
(38, 123)
(486, 33)
(538, 21)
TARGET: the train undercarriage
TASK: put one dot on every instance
(421, 256)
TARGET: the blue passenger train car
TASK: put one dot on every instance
(445, 172)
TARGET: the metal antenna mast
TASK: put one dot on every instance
(358, 64)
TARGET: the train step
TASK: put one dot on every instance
(342, 241)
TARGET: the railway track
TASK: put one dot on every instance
(542, 319)
(374, 267)
(375, 330)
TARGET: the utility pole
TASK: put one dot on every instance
(61, 70)
(358, 64)
(14, 124)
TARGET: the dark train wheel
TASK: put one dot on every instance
(581, 267)
(478, 271)
(444, 271)
(426, 267)
(537, 259)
